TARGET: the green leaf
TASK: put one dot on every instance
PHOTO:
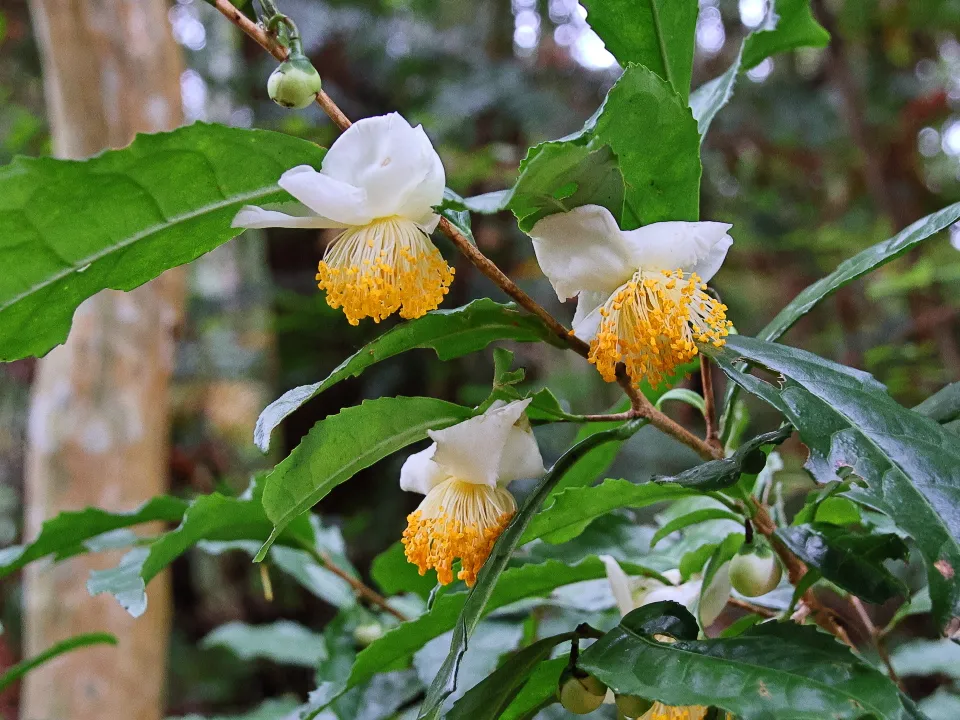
(853, 561)
(210, 517)
(708, 99)
(654, 136)
(576, 508)
(66, 534)
(515, 584)
(479, 596)
(16, 672)
(943, 406)
(338, 447)
(790, 24)
(910, 464)
(539, 691)
(720, 474)
(693, 518)
(268, 710)
(927, 657)
(559, 176)
(73, 228)
(655, 33)
(395, 574)
(683, 395)
(284, 642)
(848, 271)
(449, 333)
(489, 698)
(779, 670)
(453, 209)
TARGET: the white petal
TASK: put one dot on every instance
(685, 594)
(429, 222)
(393, 162)
(619, 584)
(583, 249)
(586, 320)
(698, 247)
(251, 216)
(521, 457)
(471, 450)
(714, 597)
(326, 196)
(420, 474)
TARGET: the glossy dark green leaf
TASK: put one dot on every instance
(479, 596)
(720, 474)
(708, 99)
(851, 560)
(774, 670)
(176, 192)
(213, 517)
(656, 33)
(64, 535)
(16, 672)
(849, 270)
(449, 333)
(910, 464)
(395, 574)
(340, 446)
(489, 698)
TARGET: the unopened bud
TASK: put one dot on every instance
(581, 693)
(295, 83)
(755, 573)
(633, 706)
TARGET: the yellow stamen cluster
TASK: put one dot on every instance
(376, 269)
(457, 519)
(659, 711)
(652, 324)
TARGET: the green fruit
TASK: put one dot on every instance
(633, 706)
(295, 83)
(754, 573)
(580, 693)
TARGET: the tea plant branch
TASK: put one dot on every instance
(750, 607)
(641, 406)
(796, 569)
(876, 637)
(712, 435)
(358, 586)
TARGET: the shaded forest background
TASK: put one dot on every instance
(820, 154)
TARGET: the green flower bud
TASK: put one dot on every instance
(295, 83)
(754, 573)
(580, 693)
(633, 706)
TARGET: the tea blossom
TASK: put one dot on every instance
(464, 475)
(379, 183)
(641, 297)
(707, 604)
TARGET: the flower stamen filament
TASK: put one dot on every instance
(388, 265)
(652, 324)
(457, 519)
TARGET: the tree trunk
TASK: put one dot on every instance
(99, 427)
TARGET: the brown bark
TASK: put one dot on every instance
(99, 424)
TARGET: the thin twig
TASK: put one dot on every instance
(361, 589)
(639, 403)
(876, 637)
(709, 405)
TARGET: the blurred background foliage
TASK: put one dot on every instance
(820, 154)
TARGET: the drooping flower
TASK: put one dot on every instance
(464, 475)
(379, 182)
(633, 592)
(641, 293)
